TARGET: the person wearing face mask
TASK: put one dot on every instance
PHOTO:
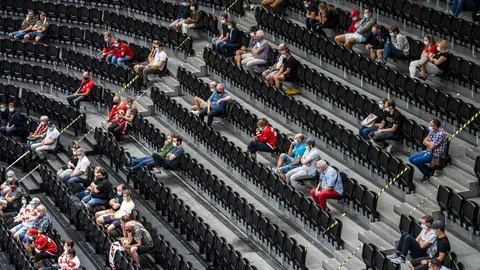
(99, 194)
(429, 49)
(42, 248)
(183, 14)
(39, 134)
(39, 30)
(15, 122)
(397, 48)
(293, 158)
(48, 143)
(438, 252)
(114, 202)
(308, 168)
(225, 32)
(114, 219)
(273, 70)
(259, 52)
(245, 52)
(436, 143)
(12, 199)
(328, 20)
(97, 179)
(118, 126)
(83, 93)
(374, 121)
(216, 104)
(122, 53)
(108, 49)
(16, 220)
(42, 224)
(199, 103)
(26, 26)
(195, 20)
(130, 113)
(233, 41)
(68, 260)
(79, 173)
(378, 41)
(390, 128)
(70, 165)
(437, 63)
(265, 139)
(140, 242)
(26, 220)
(418, 247)
(329, 187)
(5, 186)
(3, 113)
(171, 160)
(118, 105)
(136, 163)
(155, 65)
(289, 70)
(311, 13)
(362, 32)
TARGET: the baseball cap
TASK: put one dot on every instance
(310, 142)
(35, 200)
(354, 13)
(32, 232)
(437, 224)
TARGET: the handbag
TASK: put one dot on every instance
(438, 163)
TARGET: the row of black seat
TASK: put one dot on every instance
(10, 150)
(318, 124)
(465, 71)
(168, 10)
(184, 220)
(458, 209)
(8, 92)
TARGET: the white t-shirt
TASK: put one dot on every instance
(314, 155)
(430, 236)
(52, 135)
(82, 166)
(126, 208)
(162, 56)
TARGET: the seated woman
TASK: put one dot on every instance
(131, 112)
(429, 49)
(118, 125)
(195, 20)
(265, 140)
(122, 53)
(329, 20)
(397, 48)
(233, 41)
(39, 133)
(438, 63)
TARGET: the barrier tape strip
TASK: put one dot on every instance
(350, 257)
(181, 44)
(464, 125)
(229, 7)
(321, 234)
(83, 137)
(34, 169)
(126, 85)
(71, 123)
(423, 200)
(391, 182)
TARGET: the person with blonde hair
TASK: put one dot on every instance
(265, 140)
(438, 63)
(429, 49)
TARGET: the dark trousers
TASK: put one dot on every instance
(254, 146)
(160, 162)
(74, 101)
(116, 130)
(221, 48)
(10, 132)
(408, 243)
(213, 113)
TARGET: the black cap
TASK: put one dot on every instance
(253, 29)
(437, 224)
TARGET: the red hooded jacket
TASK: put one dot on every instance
(123, 50)
(268, 135)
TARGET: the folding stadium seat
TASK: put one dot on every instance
(27, 73)
(17, 70)
(359, 196)
(453, 108)
(65, 34)
(457, 203)
(419, 133)
(77, 35)
(368, 254)
(465, 71)
(470, 215)
(18, 48)
(456, 28)
(454, 67)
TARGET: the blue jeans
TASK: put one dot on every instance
(211, 115)
(18, 34)
(288, 160)
(30, 142)
(74, 101)
(365, 131)
(459, 5)
(419, 160)
(225, 45)
(69, 180)
(140, 162)
(93, 202)
(9, 131)
(406, 243)
(120, 61)
(83, 194)
(390, 51)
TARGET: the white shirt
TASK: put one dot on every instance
(52, 136)
(82, 166)
(280, 61)
(314, 155)
(430, 237)
(126, 209)
(162, 56)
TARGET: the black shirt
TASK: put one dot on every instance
(104, 187)
(392, 119)
(293, 64)
(443, 66)
(225, 30)
(15, 118)
(442, 245)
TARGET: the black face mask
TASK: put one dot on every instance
(115, 103)
(86, 79)
(219, 92)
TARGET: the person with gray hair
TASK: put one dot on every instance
(293, 158)
(307, 170)
(216, 104)
(273, 70)
(199, 103)
(330, 185)
(259, 52)
(40, 132)
(47, 144)
(245, 52)
(5, 187)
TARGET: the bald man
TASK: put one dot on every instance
(200, 104)
(259, 52)
(329, 187)
(83, 93)
(273, 70)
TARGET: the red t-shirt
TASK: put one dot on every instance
(116, 108)
(85, 86)
(43, 243)
(433, 49)
(268, 136)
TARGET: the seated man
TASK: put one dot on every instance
(43, 223)
(83, 93)
(40, 132)
(114, 202)
(200, 104)
(390, 128)
(418, 247)
(308, 169)
(137, 163)
(15, 221)
(118, 105)
(439, 252)
(288, 71)
(118, 125)
(311, 14)
(259, 52)
(377, 42)
(71, 164)
(265, 140)
(182, 15)
(371, 124)
(171, 160)
(244, 52)
(140, 242)
(114, 218)
(397, 48)
(99, 194)
(27, 218)
(25, 27)
(329, 187)
(43, 246)
(15, 121)
(155, 62)
(5, 186)
(293, 158)
(79, 174)
(216, 104)
(273, 70)
(49, 143)
(39, 30)
(130, 113)
(13, 198)
(362, 33)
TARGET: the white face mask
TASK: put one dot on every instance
(74, 153)
(192, 8)
(430, 128)
(50, 129)
(128, 106)
(438, 49)
(229, 27)
(119, 193)
(11, 109)
(213, 89)
(392, 34)
(252, 34)
(10, 178)
(425, 42)
(222, 21)
(174, 144)
(424, 226)
(124, 198)
(354, 18)
(24, 201)
(157, 49)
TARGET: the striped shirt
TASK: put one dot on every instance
(439, 138)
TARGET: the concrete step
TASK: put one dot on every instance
(189, 64)
(371, 237)
(172, 83)
(145, 105)
(405, 208)
(473, 153)
(386, 232)
(353, 263)
(31, 184)
(332, 264)
(427, 206)
(460, 181)
(167, 89)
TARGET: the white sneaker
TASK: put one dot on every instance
(388, 148)
(398, 260)
(393, 256)
(196, 112)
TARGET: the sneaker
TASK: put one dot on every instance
(196, 112)
(399, 260)
(125, 169)
(156, 172)
(393, 256)
(388, 148)
(449, 12)
(425, 179)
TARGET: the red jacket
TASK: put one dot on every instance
(123, 50)
(352, 28)
(43, 243)
(269, 136)
(122, 106)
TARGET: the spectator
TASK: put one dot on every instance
(44, 247)
(12, 199)
(25, 217)
(372, 126)
(83, 93)
(26, 26)
(436, 265)
(5, 186)
(436, 143)
(225, 32)
(233, 41)
(139, 242)
(43, 223)
(308, 169)
(155, 63)
(71, 164)
(439, 250)
(198, 103)
(419, 247)
(293, 158)
(329, 20)
(311, 17)
(118, 125)
(97, 178)
(113, 219)
(117, 106)
(273, 5)
(183, 14)
(3, 113)
(329, 187)
(476, 19)
(114, 202)
(48, 143)
(390, 128)
(108, 48)
(39, 30)
(459, 5)
(437, 64)
(122, 53)
(67, 261)
(15, 121)
(265, 140)
(288, 71)
(259, 52)
(362, 32)
(40, 132)
(245, 52)
(99, 194)
(429, 49)
(273, 70)
(377, 42)
(171, 160)
(136, 163)
(397, 48)
(216, 104)
(195, 20)
(131, 112)
(79, 174)
(12, 222)
(355, 16)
